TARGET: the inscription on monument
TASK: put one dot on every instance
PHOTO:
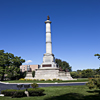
(49, 65)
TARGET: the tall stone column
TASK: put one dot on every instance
(48, 36)
(48, 59)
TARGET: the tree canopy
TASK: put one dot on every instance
(63, 64)
(85, 73)
(98, 56)
(8, 60)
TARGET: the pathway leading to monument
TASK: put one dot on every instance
(4, 86)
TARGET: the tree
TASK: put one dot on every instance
(97, 71)
(63, 64)
(9, 60)
(1, 71)
(98, 56)
(33, 73)
(94, 82)
(22, 74)
(87, 73)
(12, 72)
(74, 74)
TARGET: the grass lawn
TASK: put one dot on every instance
(63, 93)
(30, 81)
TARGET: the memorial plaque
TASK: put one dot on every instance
(49, 65)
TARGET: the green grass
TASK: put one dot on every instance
(29, 81)
(63, 93)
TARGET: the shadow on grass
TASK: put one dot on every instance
(95, 91)
(74, 96)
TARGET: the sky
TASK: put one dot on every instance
(75, 30)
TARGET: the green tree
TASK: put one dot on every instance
(94, 82)
(33, 73)
(22, 74)
(87, 73)
(9, 60)
(12, 72)
(97, 71)
(98, 56)
(63, 64)
(59, 62)
(1, 71)
(74, 74)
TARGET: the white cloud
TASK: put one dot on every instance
(28, 61)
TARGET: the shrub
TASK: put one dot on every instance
(54, 79)
(42, 79)
(22, 79)
(48, 80)
(20, 93)
(34, 85)
(94, 82)
(13, 93)
(58, 79)
(34, 79)
(35, 92)
(33, 73)
(8, 92)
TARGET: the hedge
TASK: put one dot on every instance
(35, 92)
(20, 93)
(13, 93)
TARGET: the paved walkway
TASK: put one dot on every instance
(4, 86)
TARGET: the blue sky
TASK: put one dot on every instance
(75, 30)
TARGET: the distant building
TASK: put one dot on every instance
(29, 68)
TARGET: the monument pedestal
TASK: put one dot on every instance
(48, 61)
(46, 73)
(52, 73)
(29, 75)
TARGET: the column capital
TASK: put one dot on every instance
(47, 21)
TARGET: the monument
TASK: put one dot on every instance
(48, 59)
(49, 69)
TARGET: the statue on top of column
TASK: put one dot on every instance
(48, 17)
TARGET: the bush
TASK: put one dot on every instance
(35, 92)
(42, 79)
(21, 93)
(8, 92)
(54, 79)
(34, 79)
(34, 85)
(22, 79)
(33, 73)
(13, 93)
(58, 79)
(94, 82)
(48, 80)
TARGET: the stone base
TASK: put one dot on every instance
(49, 73)
(29, 75)
(52, 73)
(48, 61)
(46, 73)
